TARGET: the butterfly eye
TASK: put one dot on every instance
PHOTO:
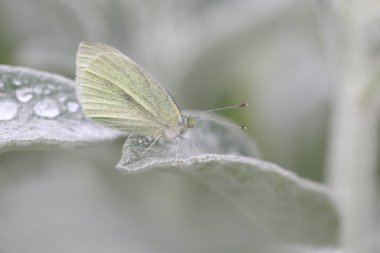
(191, 121)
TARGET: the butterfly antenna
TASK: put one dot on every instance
(225, 108)
(228, 124)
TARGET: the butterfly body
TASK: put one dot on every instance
(116, 91)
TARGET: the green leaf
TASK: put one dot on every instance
(277, 202)
(39, 110)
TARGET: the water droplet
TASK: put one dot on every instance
(46, 108)
(47, 92)
(8, 110)
(17, 82)
(24, 94)
(140, 141)
(39, 88)
(62, 98)
(72, 106)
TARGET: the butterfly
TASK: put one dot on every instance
(117, 92)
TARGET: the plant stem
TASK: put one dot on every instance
(351, 165)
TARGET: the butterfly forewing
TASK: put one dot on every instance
(115, 91)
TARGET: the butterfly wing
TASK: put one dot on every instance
(117, 92)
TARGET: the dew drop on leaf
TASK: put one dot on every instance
(8, 110)
(62, 98)
(47, 92)
(47, 108)
(38, 88)
(72, 106)
(24, 94)
(17, 82)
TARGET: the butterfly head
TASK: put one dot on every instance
(187, 122)
(191, 121)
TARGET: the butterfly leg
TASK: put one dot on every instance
(151, 145)
(176, 151)
(193, 144)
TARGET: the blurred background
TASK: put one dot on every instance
(208, 54)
